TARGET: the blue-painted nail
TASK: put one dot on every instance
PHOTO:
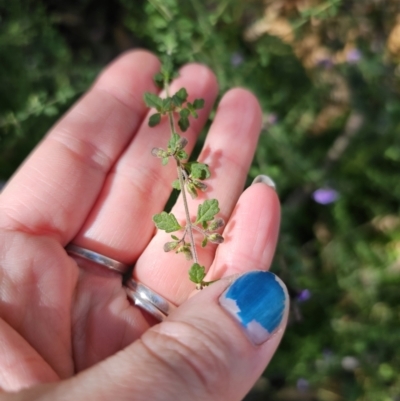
(258, 301)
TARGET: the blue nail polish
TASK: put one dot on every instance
(257, 300)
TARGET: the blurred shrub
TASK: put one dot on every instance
(327, 76)
(38, 79)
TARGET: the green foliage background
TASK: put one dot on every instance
(328, 78)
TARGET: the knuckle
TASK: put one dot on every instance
(193, 353)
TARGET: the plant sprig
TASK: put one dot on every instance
(190, 177)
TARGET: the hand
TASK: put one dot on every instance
(93, 181)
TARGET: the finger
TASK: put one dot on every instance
(228, 150)
(138, 186)
(251, 234)
(55, 189)
(214, 347)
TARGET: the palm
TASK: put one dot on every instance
(93, 182)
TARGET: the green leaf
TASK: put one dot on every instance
(182, 94)
(198, 104)
(183, 124)
(180, 97)
(184, 113)
(197, 273)
(153, 100)
(154, 119)
(199, 171)
(174, 237)
(159, 80)
(207, 210)
(167, 68)
(173, 141)
(167, 104)
(164, 161)
(192, 110)
(176, 185)
(204, 242)
(167, 222)
(182, 155)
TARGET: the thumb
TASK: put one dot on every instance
(213, 347)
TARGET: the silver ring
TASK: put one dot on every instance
(148, 300)
(97, 258)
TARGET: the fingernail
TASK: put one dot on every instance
(257, 300)
(265, 179)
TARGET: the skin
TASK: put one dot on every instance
(93, 181)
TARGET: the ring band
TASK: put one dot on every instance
(97, 258)
(148, 300)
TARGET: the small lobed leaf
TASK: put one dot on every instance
(167, 68)
(172, 143)
(207, 210)
(198, 104)
(167, 222)
(164, 161)
(182, 94)
(174, 237)
(159, 80)
(197, 273)
(204, 242)
(191, 109)
(199, 170)
(180, 97)
(167, 105)
(183, 123)
(153, 100)
(154, 119)
(184, 113)
(182, 155)
(176, 185)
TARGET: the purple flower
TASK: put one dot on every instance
(302, 385)
(236, 59)
(304, 296)
(353, 56)
(324, 196)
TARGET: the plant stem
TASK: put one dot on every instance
(189, 226)
(188, 221)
